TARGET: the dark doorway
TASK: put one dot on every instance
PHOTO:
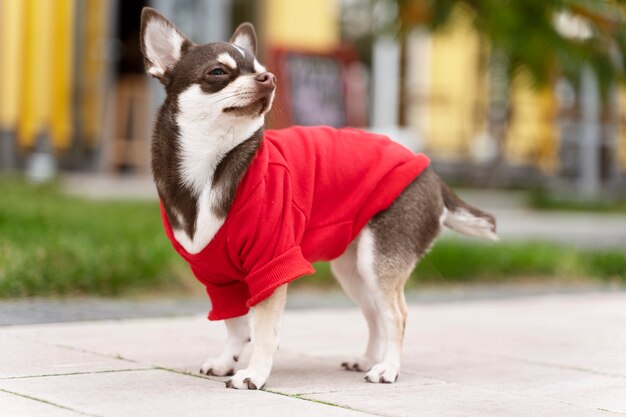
(130, 141)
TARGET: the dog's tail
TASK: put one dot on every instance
(463, 218)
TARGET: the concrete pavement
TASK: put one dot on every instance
(547, 355)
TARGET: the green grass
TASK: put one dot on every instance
(52, 244)
(467, 261)
(471, 261)
(544, 200)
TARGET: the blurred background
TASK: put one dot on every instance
(520, 105)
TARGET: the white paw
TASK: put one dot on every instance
(360, 364)
(247, 379)
(384, 372)
(219, 366)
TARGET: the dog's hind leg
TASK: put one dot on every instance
(388, 250)
(267, 317)
(386, 287)
(238, 336)
(345, 270)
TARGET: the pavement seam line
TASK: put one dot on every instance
(554, 365)
(604, 410)
(365, 388)
(117, 356)
(47, 402)
(296, 396)
(189, 373)
(77, 373)
(299, 397)
(105, 355)
(536, 362)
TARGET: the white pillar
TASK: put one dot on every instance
(202, 20)
(386, 73)
(589, 179)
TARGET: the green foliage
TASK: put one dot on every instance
(525, 32)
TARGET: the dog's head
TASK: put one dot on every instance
(213, 82)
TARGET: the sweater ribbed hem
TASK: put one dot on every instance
(228, 301)
(279, 271)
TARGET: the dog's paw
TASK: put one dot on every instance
(247, 379)
(360, 364)
(384, 373)
(218, 366)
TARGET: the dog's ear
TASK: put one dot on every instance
(245, 37)
(162, 44)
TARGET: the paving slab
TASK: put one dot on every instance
(552, 355)
(495, 372)
(299, 374)
(161, 393)
(24, 357)
(451, 400)
(181, 343)
(579, 332)
(541, 382)
(18, 405)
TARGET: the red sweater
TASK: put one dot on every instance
(306, 195)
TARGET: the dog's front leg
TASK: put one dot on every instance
(238, 336)
(267, 315)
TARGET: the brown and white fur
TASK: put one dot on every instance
(206, 134)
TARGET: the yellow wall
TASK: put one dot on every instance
(308, 24)
(532, 133)
(93, 70)
(61, 100)
(36, 63)
(457, 102)
(36, 80)
(11, 28)
(454, 83)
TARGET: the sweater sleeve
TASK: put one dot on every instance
(270, 252)
(228, 301)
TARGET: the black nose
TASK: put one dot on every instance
(267, 79)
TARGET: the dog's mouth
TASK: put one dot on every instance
(264, 105)
(255, 108)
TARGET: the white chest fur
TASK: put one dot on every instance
(207, 134)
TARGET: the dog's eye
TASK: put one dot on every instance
(217, 71)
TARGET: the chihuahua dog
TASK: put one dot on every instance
(250, 209)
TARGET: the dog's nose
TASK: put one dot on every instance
(267, 79)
